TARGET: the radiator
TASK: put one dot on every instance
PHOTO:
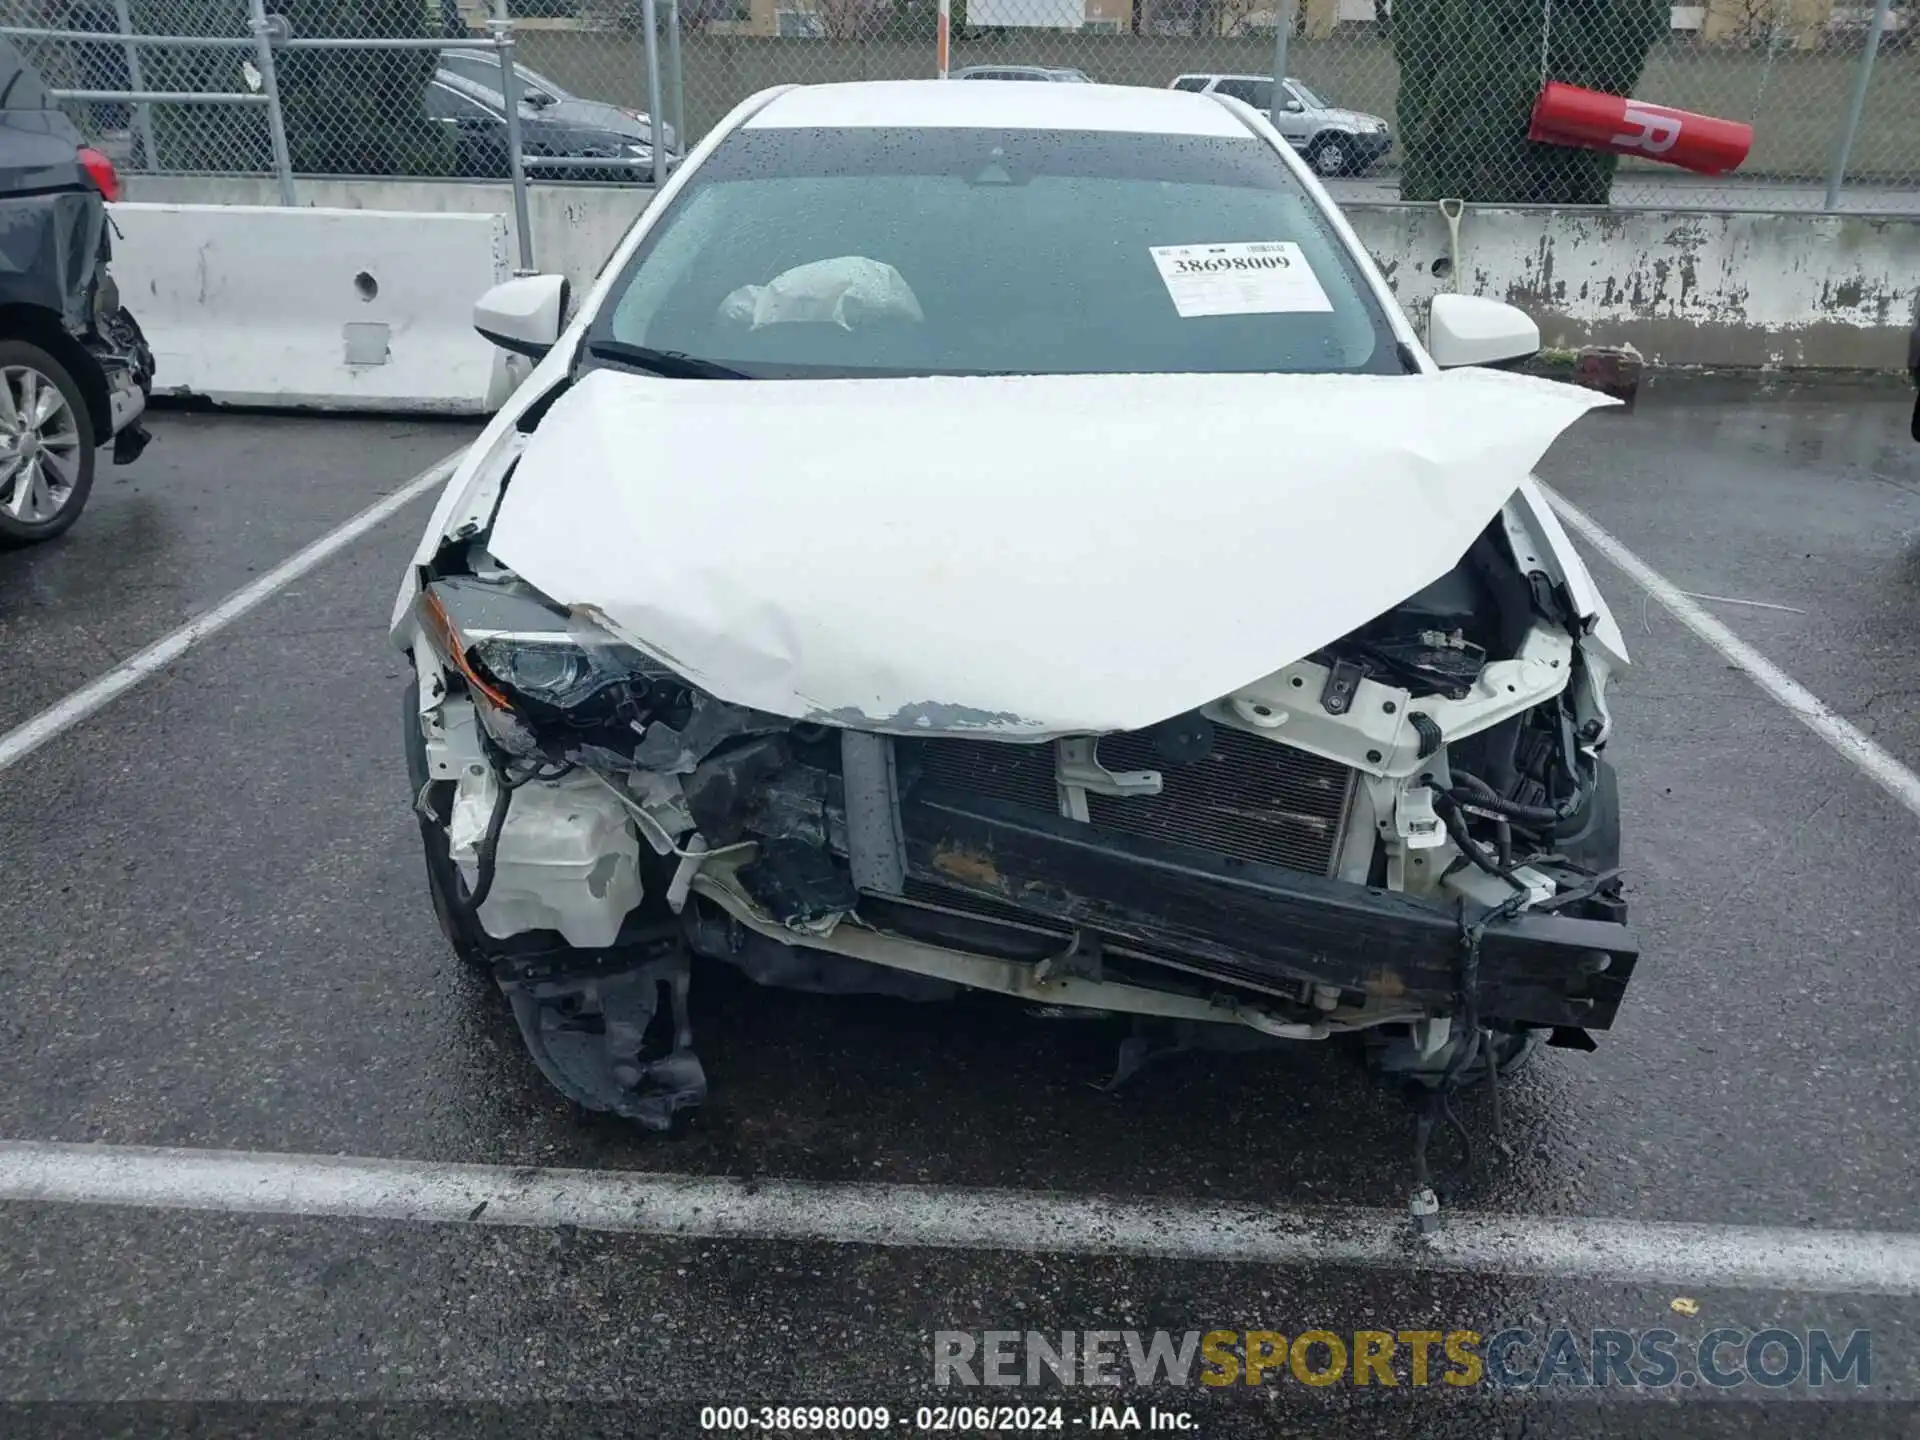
(1251, 798)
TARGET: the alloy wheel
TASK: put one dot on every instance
(39, 446)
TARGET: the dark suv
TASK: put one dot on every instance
(75, 371)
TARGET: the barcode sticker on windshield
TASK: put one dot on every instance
(1267, 278)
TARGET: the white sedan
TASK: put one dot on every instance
(1008, 537)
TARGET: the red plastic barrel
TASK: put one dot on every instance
(1568, 115)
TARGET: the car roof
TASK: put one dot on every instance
(1009, 104)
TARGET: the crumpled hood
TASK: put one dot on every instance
(1025, 556)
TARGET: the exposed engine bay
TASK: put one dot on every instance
(1410, 832)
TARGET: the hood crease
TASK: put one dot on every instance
(1019, 556)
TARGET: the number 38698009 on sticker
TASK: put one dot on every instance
(1244, 278)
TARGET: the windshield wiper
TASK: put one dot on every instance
(675, 364)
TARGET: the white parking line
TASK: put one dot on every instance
(1806, 707)
(24, 739)
(693, 1207)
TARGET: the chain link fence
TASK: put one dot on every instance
(319, 87)
(1457, 75)
(1389, 99)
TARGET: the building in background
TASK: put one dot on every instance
(1783, 24)
(1098, 16)
(1775, 24)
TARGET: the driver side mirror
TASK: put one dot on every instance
(524, 315)
(1472, 330)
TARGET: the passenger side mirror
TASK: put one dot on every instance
(523, 315)
(1293, 106)
(1472, 330)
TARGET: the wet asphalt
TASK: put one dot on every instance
(216, 934)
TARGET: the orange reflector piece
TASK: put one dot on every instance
(446, 639)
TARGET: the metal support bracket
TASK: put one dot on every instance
(1084, 959)
(1336, 696)
(876, 854)
(1415, 822)
(1079, 768)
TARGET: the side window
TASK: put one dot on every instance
(1191, 82)
(446, 103)
(481, 69)
(799, 24)
(1257, 93)
(20, 87)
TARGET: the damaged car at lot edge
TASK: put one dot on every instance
(1008, 538)
(75, 369)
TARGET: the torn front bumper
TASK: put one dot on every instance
(592, 1026)
(1266, 928)
(121, 350)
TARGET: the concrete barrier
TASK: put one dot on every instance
(327, 309)
(1689, 288)
(575, 227)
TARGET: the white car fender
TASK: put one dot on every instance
(1603, 630)
(456, 500)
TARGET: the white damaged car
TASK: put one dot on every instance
(1007, 536)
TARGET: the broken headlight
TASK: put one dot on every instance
(520, 653)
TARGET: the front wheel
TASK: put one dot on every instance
(46, 445)
(457, 922)
(1331, 155)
